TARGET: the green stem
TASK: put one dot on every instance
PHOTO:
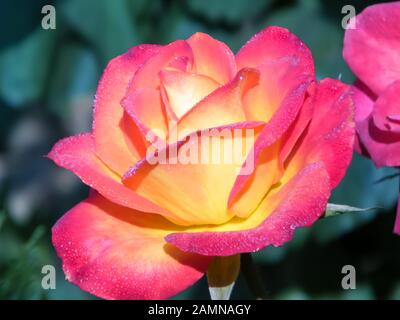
(252, 276)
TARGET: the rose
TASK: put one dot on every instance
(151, 229)
(372, 50)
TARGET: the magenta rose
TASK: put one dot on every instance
(372, 50)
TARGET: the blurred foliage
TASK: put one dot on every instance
(20, 278)
(47, 82)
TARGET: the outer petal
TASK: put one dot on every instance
(383, 148)
(330, 135)
(212, 58)
(77, 154)
(298, 203)
(372, 48)
(386, 112)
(273, 43)
(117, 141)
(381, 145)
(117, 253)
(364, 100)
(363, 104)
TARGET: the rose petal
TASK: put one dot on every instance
(277, 78)
(386, 109)
(381, 145)
(372, 48)
(250, 187)
(184, 90)
(330, 135)
(118, 144)
(144, 106)
(77, 154)
(281, 87)
(195, 188)
(147, 76)
(273, 43)
(363, 104)
(298, 203)
(212, 58)
(224, 104)
(291, 137)
(271, 133)
(118, 253)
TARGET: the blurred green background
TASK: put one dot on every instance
(47, 83)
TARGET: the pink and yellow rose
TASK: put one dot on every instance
(149, 230)
(372, 50)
